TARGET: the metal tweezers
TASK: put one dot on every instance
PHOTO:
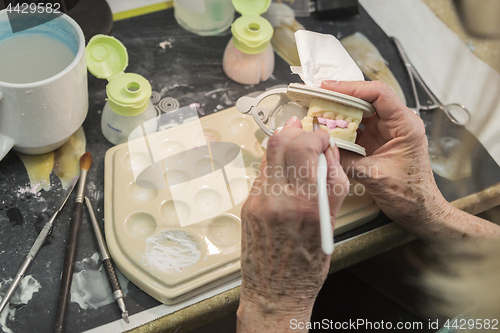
(457, 113)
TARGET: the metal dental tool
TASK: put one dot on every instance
(457, 113)
(47, 228)
(324, 206)
(108, 264)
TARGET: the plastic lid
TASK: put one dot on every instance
(302, 95)
(106, 56)
(128, 94)
(251, 34)
(255, 7)
(342, 144)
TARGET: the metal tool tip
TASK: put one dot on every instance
(315, 124)
(125, 317)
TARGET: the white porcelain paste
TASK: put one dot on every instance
(90, 287)
(171, 250)
(23, 294)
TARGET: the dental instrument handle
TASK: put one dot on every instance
(409, 70)
(324, 208)
(114, 283)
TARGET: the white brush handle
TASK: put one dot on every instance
(324, 208)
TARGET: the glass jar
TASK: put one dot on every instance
(249, 57)
(247, 68)
(204, 17)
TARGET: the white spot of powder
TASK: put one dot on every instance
(90, 287)
(23, 294)
(166, 43)
(171, 250)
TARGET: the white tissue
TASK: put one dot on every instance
(322, 57)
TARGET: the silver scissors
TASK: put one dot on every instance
(457, 113)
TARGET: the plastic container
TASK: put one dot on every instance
(128, 104)
(117, 127)
(249, 57)
(204, 17)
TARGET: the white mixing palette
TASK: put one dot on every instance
(174, 230)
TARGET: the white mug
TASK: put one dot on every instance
(38, 117)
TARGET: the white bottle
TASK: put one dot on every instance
(248, 68)
(128, 105)
(249, 57)
(116, 127)
(204, 17)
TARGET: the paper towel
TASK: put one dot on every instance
(322, 57)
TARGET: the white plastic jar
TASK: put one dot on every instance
(247, 68)
(249, 57)
(128, 105)
(204, 17)
(119, 120)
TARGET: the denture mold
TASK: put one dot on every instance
(337, 113)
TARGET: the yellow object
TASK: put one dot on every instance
(39, 168)
(332, 110)
(284, 45)
(67, 158)
(282, 18)
(319, 107)
(142, 10)
(370, 61)
(107, 58)
(65, 162)
(251, 34)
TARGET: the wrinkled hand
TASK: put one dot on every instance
(283, 265)
(397, 171)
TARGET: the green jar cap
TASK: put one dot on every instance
(106, 56)
(251, 33)
(128, 94)
(255, 7)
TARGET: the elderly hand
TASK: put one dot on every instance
(397, 171)
(283, 266)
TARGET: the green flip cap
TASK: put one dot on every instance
(251, 34)
(251, 7)
(107, 58)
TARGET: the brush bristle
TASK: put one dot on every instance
(86, 161)
(315, 123)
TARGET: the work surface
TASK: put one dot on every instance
(188, 68)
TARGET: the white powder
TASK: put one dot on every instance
(171, 250)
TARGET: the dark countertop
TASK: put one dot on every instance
(190, 71)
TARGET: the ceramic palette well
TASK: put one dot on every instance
(175, 230)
